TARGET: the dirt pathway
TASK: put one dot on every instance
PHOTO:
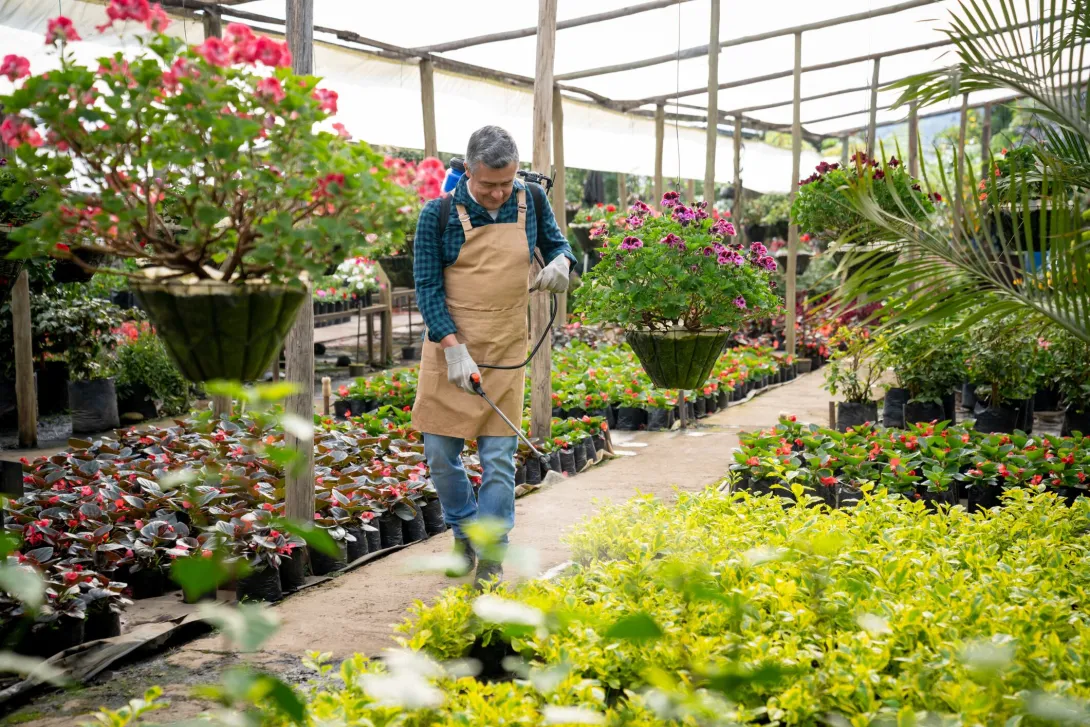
(356, 612)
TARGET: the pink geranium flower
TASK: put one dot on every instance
(215, 52)
(270, 88)
(14, 67)
(327, 99)
(60, 28)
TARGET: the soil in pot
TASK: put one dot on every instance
(893, 414)
(854, 414)
(321, 564)
(700, 408)
(389, 526)
(1075, 421)
(533, 471)
(678, 359)
(660, 419)
(93, 405)
(580, 454)
(261, 585)
(101, 624)
(433, 512)
(413, 531)
(220, 331)
(293, 570)
(567, 462)
(1003, 419)
(923, 411)
(631, 418)
(355, 548)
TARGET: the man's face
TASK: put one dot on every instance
(491, 187)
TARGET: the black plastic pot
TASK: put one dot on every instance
(399, 269)
(47, 639)
(700, 408)
(599, 442)
(582, 238)
(949, 407)
(433, 516)
(94, 405)
(533, 471)
(983, 497)
(52, 382)
(854, 414)
(321, 564)
(1046, 399)
(608, 414)
(678, 359)
(342, 407)
(520, 474)
(1003, 419)
(803, 366)
(923, 411)
(660, 419)
(722, 399)
(146, 583)
(293, 570)
(374, 537)
(554, 462)
(846, 495)
(968, 396)
(580, 454)
(711, 404)
(567, 461)
(261, 585)
(102, 624)
(356, 548)
(389, 526)
(1076, 421)
(893, 414)
(1026, 408)
(413, 531)
(220, 331)
(139, 405)
(631, 418)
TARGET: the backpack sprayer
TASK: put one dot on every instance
(454, 174)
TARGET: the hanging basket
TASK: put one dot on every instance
(216, 330)
(678, 359)
(802, 260)
(399, 269)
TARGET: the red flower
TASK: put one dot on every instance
(15, 131)
(14, 67)
(327, 99)
(333, 178)
(270, 88)
(215, 52)
(272, 54)
(611, 208)
(60, 28)
(753, 461)
(343, 132)
(828, 481)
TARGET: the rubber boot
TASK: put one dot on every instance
(464, 550)
(486, 569)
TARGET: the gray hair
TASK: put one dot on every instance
(492, 146)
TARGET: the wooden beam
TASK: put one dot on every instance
(959, 170)
(660, 138)
(541, 405)
(736, 212)
(562, 25)
(713, 98)
(985, 141)
(913, 140)
(559, 190)
(702, 50)
(793, 229)
(845, 155)
(690, 190)
(427, 104)
(26, 397)
(622, 192)
(221, 405)
(872, 125)
(299, 346)
(213, 23)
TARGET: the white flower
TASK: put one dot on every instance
(494, 609)
(571, 715)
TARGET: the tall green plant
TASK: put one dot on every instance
(983, 251)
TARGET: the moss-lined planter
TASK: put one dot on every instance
(399, 269)
(678, 359)
(220, 331)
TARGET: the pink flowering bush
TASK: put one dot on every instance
(206, 161)
(422, 182)
(679, 270)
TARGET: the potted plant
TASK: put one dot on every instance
(852, 371)
(1072, 358)
(392, 245)
(149, 385)
(679, 287)
(928, 362)
(596, 224)
(823, 208)
(1001, 359)
(229, 196)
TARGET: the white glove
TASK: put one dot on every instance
(554, 276)
(460, 367)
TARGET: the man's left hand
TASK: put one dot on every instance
(554, 276)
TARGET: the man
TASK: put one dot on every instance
(472, 288)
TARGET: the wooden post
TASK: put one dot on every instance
(793, 229)
(327, 395)
(913, 139)
(845, 154)
(682, 409)
(427, 103)
(690, 190)
(541, 369)
(959, 170)
(872, 124)
(26, 397)
(622, 192)
(660, 138)
(986, 141)
(713, 102)
(736, 212)
(299, 346)
(213, 23)
(559, 190)
(832, 415)
(221, 405)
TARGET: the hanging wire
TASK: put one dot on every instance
(185, 28)
(677, 100)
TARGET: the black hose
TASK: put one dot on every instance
(544, 334)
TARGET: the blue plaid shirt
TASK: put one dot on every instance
(432, 255)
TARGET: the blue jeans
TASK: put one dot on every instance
(496, 498)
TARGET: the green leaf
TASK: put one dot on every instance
(314, 536)
(638, 627)
(247, 625)
(24, 584)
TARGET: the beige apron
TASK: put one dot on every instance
(487, 291)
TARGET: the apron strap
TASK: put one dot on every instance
(463, 217)
(522, 209)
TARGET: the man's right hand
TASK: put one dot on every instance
(460, 367)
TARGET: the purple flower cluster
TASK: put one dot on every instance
(634, 222)
(758, 249)
(821, 168)
(672, 240)
(740, 302)
(701, 210)
(722, 228)
(631, 243)
(682, 214)
(670, 199)
(730, 257)
(639, 208)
